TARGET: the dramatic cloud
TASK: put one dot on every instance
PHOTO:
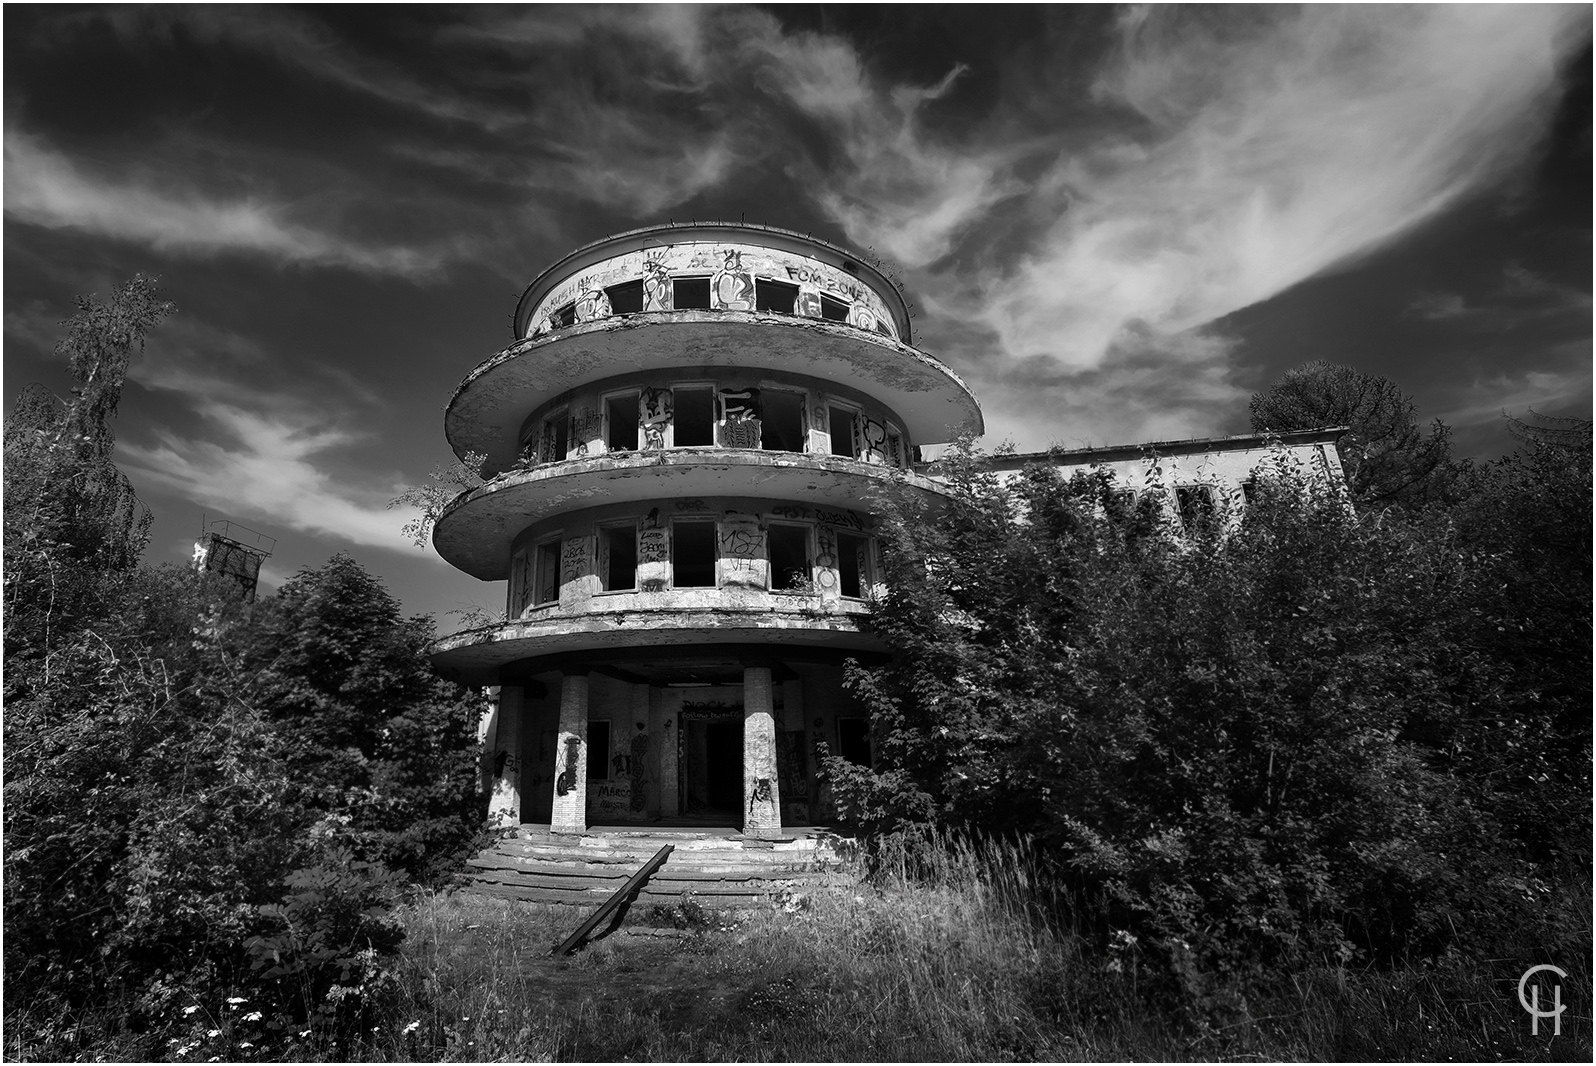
(46, 188)
(1273, 145)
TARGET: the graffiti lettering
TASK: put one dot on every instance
(567, 779)
(638, 769)
(573, 559)
(840, 518)
(789, 510)
(691, 505)
(732, 287)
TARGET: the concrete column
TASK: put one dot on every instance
(570, 757)
(761, 795)
(487, 727)
(664, 726)
(504, 806)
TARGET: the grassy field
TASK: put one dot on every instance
(950, 965)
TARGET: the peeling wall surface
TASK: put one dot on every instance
(733, 271)
(687, 451)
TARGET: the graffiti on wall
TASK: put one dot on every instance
(740, 425)
(656, 283)
(566, 783)
(732, 286)
(826, 560)
(653, 559)
(849, 519)
(587, 425)
(733, 269)
(573, 560)
(870, 440)
(638, 770)
(609, 797)
(656, 417)
(742, 551)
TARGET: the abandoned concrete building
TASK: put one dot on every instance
(686, 449)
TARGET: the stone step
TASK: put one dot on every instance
(609, 856)
(588, 899)
(673, 889)
(620, 871)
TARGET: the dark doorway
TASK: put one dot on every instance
(724, 741)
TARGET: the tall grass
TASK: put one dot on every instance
(948, 951)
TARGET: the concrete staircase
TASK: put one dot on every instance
(719, 867)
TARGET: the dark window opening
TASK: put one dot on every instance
(693, 555)
(783, 426)
(598, 751)
(853, 740)
(557, 432)
(789, 557)
(689, 293)
(851, 564)
(1196, 506)
(621, 415)
(694, 418)
(842, 432)
(775, 296)
(1249, 491)
(547, 573)
(836, 310)
(626, 298)
(620, 549)
(565, 316)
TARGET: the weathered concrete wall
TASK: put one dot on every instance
(504, 806)
(738, 396)
(761, 787)
(570, 786)
(732, 269)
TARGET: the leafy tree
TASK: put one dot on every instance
(1387, 458)
(376, 737)
(1211, 735)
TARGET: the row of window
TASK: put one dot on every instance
(801, 559)
(693, 293)
(1196, 505)
(697, 416)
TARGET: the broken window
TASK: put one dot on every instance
(1249, 491)
(626, 298)
(689, 293)
(565, 316)
(775, 296)
(1196, 504)
(835, 310)
(842, 442)
(853, 564)
(694, 417)
(782, 427)
(556, 437)
(693, 554)
(546, 575)
(789, 557)
(618, 545)
(620, 415)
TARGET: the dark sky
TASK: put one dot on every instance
(1115, 223)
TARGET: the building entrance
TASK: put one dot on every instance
(711, 762)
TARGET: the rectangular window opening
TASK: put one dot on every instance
(547, 572)
(693, 555)
(565, 316)
(841, 420)
(598, 750)
(775, 296)
(626, 298)
(1196, 506)
(853, 564)
(620, 415)
(694, 417)
(1249, 491)
(619, 544)
(783, 426)
(557, 435)
(689, 293)
(789, 557)
(836, 310)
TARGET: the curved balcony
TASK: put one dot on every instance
(615, 623)
(488, 408)
(475, 532)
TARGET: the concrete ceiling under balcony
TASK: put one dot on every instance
(488, 408)
(476, 532)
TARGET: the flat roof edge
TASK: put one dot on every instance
(1113, 452)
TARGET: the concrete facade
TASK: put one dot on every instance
(687, 446)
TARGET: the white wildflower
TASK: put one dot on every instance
(253, 1016)
(190, 1010)
(234, 1001)
(413, 1026)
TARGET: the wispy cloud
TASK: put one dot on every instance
(45, 187)
(1274, 145)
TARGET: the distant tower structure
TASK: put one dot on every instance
(234, 551)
